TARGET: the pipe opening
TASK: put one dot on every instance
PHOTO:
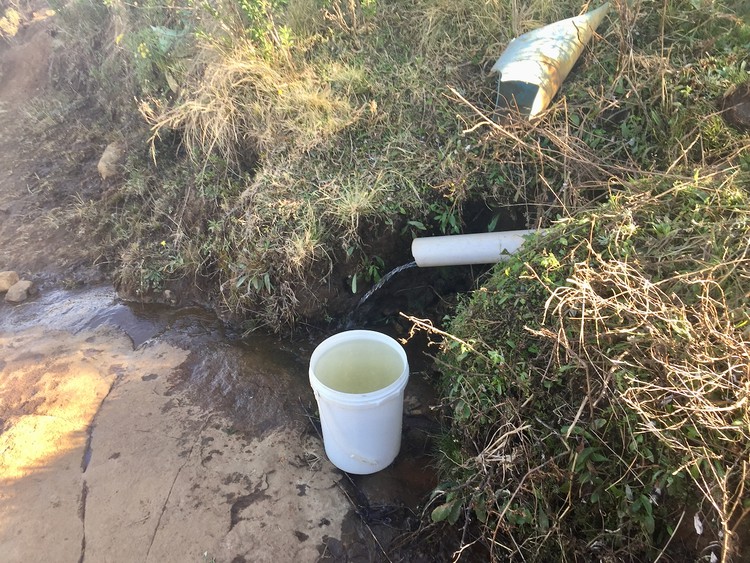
(516, 95)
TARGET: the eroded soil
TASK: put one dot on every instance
(48, 156)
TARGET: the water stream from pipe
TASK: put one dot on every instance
(384, 280)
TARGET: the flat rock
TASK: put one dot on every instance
(125, 467)
(7, 280)
(19, 291)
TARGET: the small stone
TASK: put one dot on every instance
(7, 280)
(109, 163)
(413, 406)
(19, 291)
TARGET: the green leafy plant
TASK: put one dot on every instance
(605, 390)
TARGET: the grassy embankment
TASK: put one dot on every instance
(298, 147)
(596, 385)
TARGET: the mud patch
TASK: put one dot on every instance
(243, 502)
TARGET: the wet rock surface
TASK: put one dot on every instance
(149, 434)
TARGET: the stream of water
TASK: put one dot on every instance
(384, 280)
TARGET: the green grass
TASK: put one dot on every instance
(596, 383)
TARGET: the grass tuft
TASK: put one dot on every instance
(244, 107)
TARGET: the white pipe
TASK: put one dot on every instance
(458, 250)
(534, 65)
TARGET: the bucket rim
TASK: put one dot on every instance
(358, 398)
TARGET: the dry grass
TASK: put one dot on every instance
(685, 371)
(351, 203)
(341, 122)
(491, 24)
(241, 101)
(344, 128)
(9, 23)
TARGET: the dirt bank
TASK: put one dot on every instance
(48, 153)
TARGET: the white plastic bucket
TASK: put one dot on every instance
(358, 378)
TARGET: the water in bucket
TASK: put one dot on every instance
(359, 366)
(359, 377)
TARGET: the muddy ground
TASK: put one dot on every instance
(48, 160)
(140, 433)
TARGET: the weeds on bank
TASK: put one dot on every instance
(619, 419)
(340, 123)
(615, 422)
(338, 114)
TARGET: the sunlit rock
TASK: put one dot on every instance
(109, 163)
(7, 280)
(19, 291)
